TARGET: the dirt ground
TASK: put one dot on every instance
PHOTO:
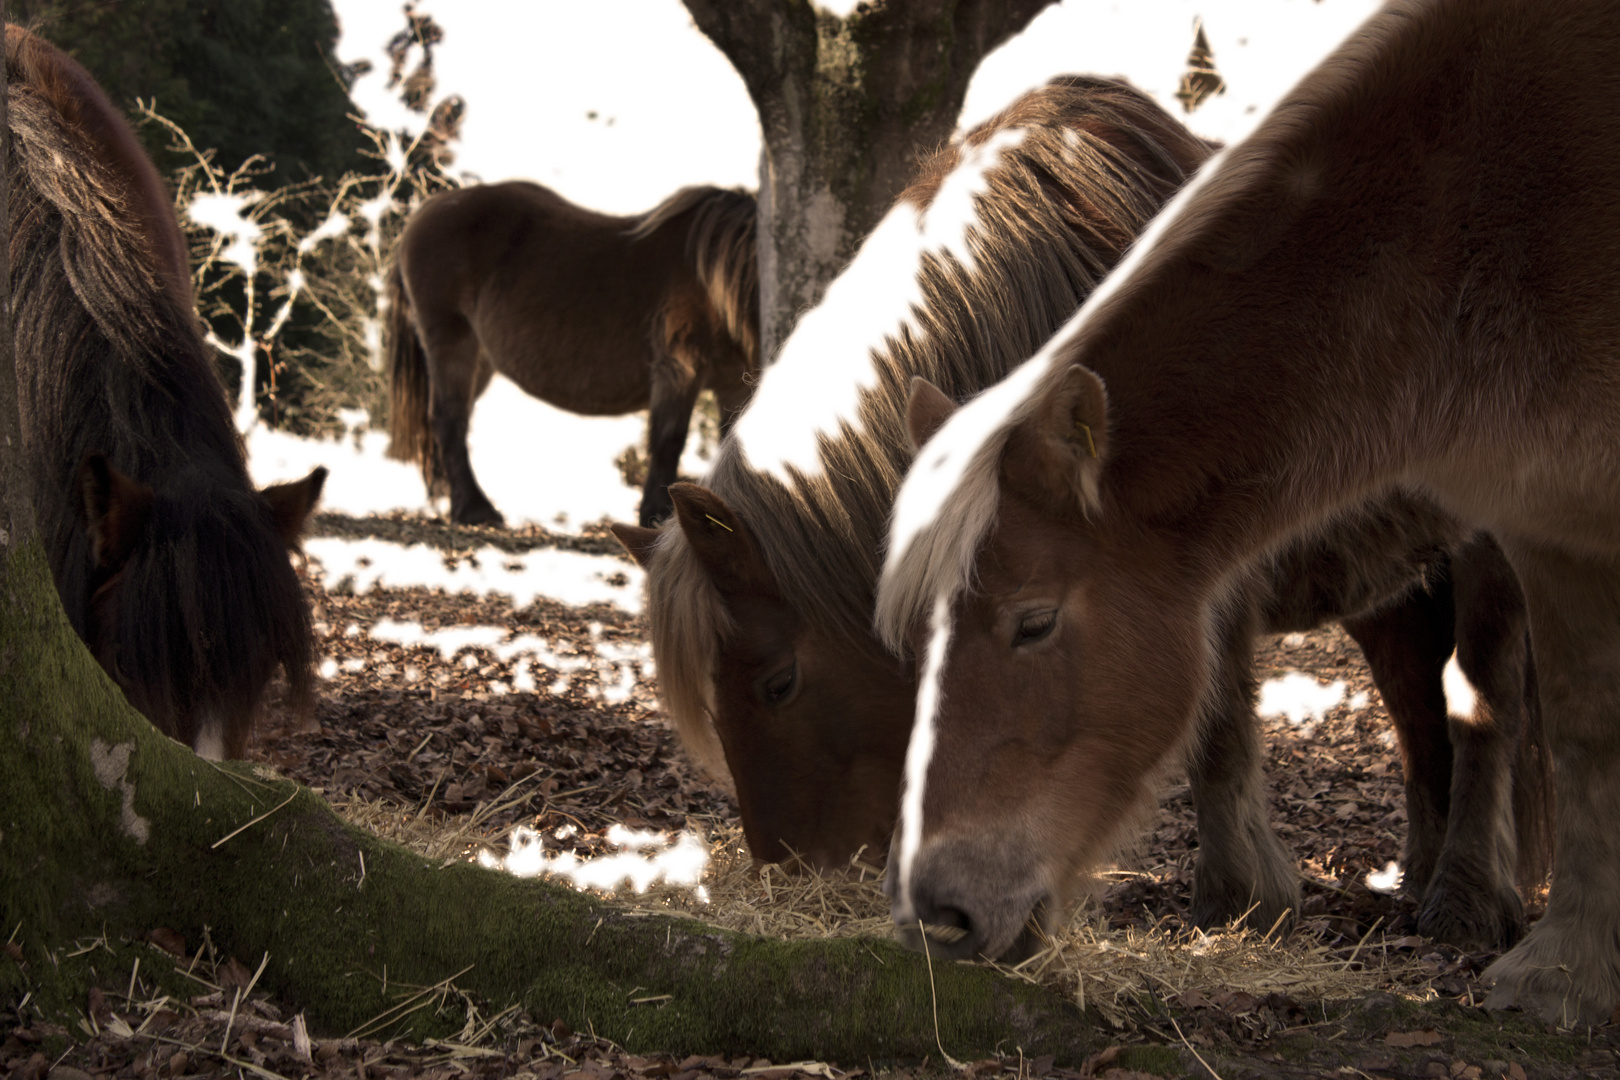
(450, 751)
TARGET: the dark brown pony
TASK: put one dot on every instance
(599, 315)
(1406, 276)
(760, 599)
(171, 567)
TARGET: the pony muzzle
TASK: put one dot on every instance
(967, 917)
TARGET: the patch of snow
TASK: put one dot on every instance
(678, 860)
(537, 463)
(1386, 880)
(568, 577)
(1299, 697)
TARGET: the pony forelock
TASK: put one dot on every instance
(947, 505)
(688, 624)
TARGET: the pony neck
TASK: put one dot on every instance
(1281, 349)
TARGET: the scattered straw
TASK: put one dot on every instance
(933, 996)
(1106, 969)
(256, 820)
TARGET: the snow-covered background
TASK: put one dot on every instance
(616, 103)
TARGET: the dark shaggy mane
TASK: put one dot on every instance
(111, 360)
(1096, 161)
(721, 245)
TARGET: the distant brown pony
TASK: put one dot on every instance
(595, 314)
(760, 597)
(1407, 276)
(171, 567)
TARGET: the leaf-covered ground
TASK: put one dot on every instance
(456, 748)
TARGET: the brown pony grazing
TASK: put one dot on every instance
(171, 567)
(1406, 276)
(760, 592)
(596, 314)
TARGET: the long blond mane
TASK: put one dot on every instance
(1093, 162)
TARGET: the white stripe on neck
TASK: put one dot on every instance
(815, 384)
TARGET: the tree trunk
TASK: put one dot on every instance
(846, 108)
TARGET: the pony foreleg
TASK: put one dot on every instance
(1568, 967)
(1243, 870)
(454, 388)
(1406, 644)
(1472, 898)
(674, 392)
(732, 398)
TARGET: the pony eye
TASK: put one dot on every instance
(780, 685)
(1033, 628)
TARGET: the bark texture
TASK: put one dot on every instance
(846, 107)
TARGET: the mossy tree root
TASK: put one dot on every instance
(107, 827)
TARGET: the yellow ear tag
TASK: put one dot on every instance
(1091, 445)
(728, 528)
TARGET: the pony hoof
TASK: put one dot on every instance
(1471, 923)
(479, 515)
(1556, 977)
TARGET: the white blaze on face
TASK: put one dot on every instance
(817, 380)
(1461, 697)
(920, 750)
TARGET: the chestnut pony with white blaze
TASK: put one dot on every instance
(170, 566)
(760, 590)
(1408, 275)
(760, 593)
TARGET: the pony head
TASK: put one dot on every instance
(194, 603)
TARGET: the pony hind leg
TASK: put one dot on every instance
(1242, 871)
(675, 384)
(1406, 644)
(1567, 968)
(458, 374)
(1472, 898)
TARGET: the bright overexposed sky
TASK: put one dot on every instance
(616, 103)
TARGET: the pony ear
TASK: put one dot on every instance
(638, 541)
(928, 409)
(115, 509)
(291, 504)
(721, 542)
(1056, 454)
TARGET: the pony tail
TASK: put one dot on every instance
(410, 434)
(723, 247)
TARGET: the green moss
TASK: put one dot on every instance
(1158, 1060)
(353, 925)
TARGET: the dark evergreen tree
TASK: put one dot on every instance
(243, 77)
